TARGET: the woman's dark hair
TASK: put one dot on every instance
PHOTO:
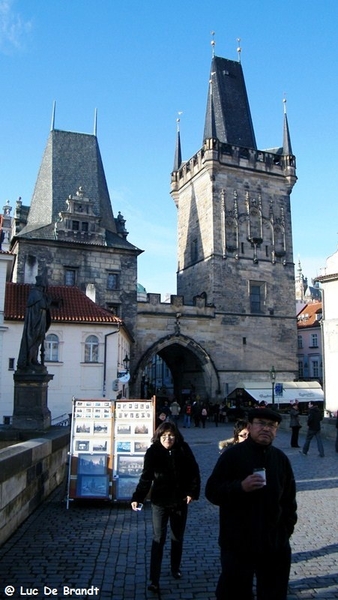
(171, 428)
(239, 426)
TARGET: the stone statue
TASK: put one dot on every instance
(37, 322)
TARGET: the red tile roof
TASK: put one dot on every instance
(307, 317)
(70, 305)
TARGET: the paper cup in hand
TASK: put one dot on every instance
(262, 472)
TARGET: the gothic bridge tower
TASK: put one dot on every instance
(235, 234)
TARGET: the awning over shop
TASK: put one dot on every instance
(303, 391)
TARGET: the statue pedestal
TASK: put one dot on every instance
(30, 399)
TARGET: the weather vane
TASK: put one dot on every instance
(239, 49)
(213, 43)
(284, 102)
(180, 112)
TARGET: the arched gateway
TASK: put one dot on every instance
(190, 365)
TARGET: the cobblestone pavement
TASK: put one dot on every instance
(104, 548)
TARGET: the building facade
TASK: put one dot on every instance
(329, 283)
(85, 348)
(309, 326)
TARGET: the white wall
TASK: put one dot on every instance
(72, 376)
(330, 333)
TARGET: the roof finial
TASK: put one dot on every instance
(53, 117)
(213, 43)
(178, 151)
(284, 102)
(95, 122)
(239, 49)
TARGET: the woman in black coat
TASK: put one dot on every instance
(172, 473)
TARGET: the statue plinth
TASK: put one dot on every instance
(30, 398)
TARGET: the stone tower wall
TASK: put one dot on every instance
(92, 265)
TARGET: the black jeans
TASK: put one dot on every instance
(177, 516)
(294, 436)
(272, 570)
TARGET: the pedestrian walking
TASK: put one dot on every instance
(187, 414)
(314, 418)
(216, 411)
(196, 413)
(254, 486)
(172, 473)
(294, 423)
(175, 410)
(204, 415)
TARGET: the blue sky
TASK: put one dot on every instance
(140, 63)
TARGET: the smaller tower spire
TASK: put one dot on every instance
(53, 116)
(95, 122)
(287, 148)
(178, 152)
(210, 125)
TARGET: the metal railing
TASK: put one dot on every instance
(62, 420)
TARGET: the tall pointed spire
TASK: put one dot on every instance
(210, 131)
(52, 124)
(178, 152)
(287, 148)
(95, 122)
(228, 116)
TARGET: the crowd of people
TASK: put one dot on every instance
(196, 412)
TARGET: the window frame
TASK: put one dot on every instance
(67, 272)
(114, 276)
(256, 308)
(51, 347)
(91, 349)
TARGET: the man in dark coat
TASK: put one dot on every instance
(254, 486)
(313, 421)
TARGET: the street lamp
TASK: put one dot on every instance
(273, 379)
(126, 362)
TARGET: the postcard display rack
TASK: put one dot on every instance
(108, 442)
(133, 429)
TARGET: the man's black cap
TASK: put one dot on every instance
(264, 413)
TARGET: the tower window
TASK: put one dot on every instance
(114, 308)
(75, 225)
(69, 276)
(112, 281)
(256, 296)
(84, 226)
